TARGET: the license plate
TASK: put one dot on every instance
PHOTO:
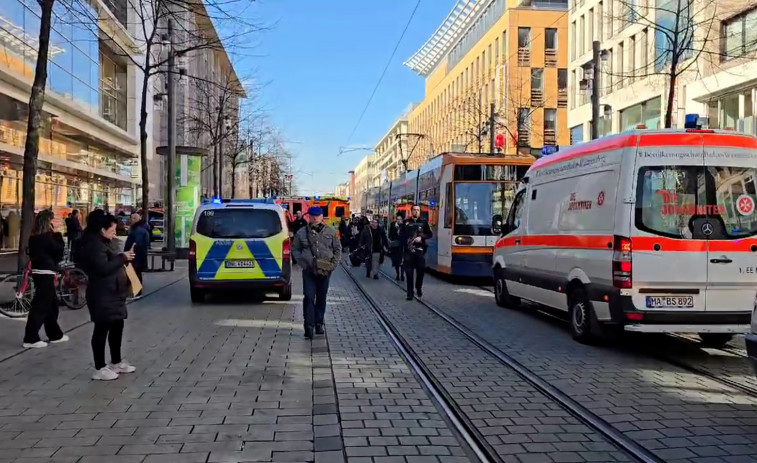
(672, 302)
(240, 263)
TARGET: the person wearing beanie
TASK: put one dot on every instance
(317, 251)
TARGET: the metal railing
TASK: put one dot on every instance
(550, 58)
(524, 56)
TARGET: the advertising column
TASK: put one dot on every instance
(188, 171)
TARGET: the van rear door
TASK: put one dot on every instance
(670, 263)
(731, 167)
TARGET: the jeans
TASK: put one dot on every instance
(314, 304)
(44, 310)
(113, 332)
(414, 263)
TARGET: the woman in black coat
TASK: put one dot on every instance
(107, 290)
(395, 247)
(46, 248)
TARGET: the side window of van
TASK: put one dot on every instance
(516, 213)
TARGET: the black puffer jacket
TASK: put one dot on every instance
(108, 285)
(46, 251)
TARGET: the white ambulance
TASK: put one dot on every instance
(650, 231)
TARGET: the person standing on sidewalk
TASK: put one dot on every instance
(139, 238)
(107, 290)
(46, 250)
(396, 247)
(373, 239)
(73, 228)
(317, 250)
(415, 232)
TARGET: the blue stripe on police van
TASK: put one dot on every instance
(263, 258)
(214, 259)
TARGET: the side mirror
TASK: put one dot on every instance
(497, 224)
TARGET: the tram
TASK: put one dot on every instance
(464, 198)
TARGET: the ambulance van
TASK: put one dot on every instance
(651, 231)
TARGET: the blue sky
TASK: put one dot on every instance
(321, 60)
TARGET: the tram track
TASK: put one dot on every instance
(687, 366)
(630, 448)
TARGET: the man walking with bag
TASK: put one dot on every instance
(317, 250)
(415, 232)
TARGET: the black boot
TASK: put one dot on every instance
(319, 328)
(309, 332)
(397, 271)
(402, 275)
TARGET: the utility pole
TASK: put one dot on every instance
(491, 129)
(171, 196)
(595, 60)
(221, 124)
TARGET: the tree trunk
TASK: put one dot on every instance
(675, 57)
(143, 141)
(233, 181)
(215, 171)
(31, 146)
(671, 96)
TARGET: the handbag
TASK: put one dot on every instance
(321, 267)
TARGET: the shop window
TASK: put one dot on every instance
(647, 113)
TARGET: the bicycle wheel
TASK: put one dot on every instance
(72, 287)
(16, 295)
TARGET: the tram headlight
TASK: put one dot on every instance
(463, 240)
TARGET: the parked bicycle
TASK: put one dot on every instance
(17, 291)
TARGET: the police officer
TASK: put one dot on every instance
(415, 232)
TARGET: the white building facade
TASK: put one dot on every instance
(392, 149)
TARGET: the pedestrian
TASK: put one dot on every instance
(317, 250)
(297, 223)
(73, 229)
(344, 234)
(396, 247)
(139, 238)
(373, 239)
(107, 290)
(415, 232)
(46, 250)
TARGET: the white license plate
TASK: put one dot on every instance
(240, 264)
(670, 302)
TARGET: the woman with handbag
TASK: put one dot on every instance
(395, 247)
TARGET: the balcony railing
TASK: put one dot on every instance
(537, 97)
(524, 137)
(550, 137)
(562, 98)
(524, 56)
(550, 58)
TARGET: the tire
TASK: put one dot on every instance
(501, 295)
(581, 317)
(286, 293)
(715, 340)
(197, 295)
(15, 304)
(72, 288)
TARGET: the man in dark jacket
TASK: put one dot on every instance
(297, 223)
(373, 240)
(344, 233)
(317, 251)
(139, 238)
(73, 228)
(415, 232)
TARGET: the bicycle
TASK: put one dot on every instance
(17, 291)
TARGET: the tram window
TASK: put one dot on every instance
(449, 203)
(472, 172)
(339, 211)
(533, 194)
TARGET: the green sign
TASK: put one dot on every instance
(187, 196)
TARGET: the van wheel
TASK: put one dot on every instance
(501, 295)
(581, 313)
(715, 340)
(286, 293)
(197, 295)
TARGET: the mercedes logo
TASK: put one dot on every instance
(707, 229)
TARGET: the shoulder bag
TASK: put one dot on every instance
(321, 267)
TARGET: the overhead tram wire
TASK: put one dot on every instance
(383, 73)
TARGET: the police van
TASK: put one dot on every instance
(240, 244)
(650, 231)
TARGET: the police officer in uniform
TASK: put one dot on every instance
(415, 232)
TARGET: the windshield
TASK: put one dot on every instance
(239, 223)
(669, 199)
(475, 206)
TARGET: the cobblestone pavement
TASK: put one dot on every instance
(518, 422)
(386, 415)
(681, 416)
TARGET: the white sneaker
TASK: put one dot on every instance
(65, 338)
(104, 374)
(35, 345)
(123, 367)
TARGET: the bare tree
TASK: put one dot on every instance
(34, 121)
(684, 33)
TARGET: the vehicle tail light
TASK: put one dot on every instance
(192, 250)
(635, 316)
(287, 248)
(621, 262)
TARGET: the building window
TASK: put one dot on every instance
(590, 20)
(647, 113)
(581, 36)
(562, 88)
(550, 127)
(118, 8)
(630, 9)
(550, 48)
(600, 22)
(573, 40)
(621, 65)
(573, 86)
(632, 59)
(739, 35)
(643, 53)
(524, 127)
(577, 134)
(113, 90)
(668, 14)
(524, 46)
(537, 87)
